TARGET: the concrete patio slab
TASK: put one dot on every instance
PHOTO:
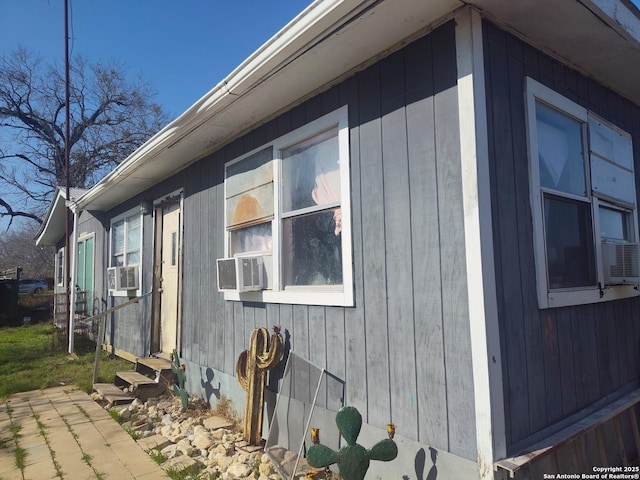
(81, 440)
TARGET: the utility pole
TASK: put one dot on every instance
(67, 271)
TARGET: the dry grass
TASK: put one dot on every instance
(224, 408)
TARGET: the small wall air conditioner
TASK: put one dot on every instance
(123, 278)
(240, 274)
(621, 263)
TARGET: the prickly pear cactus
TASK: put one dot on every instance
(353, 459)
(251, 371)
(178, 388)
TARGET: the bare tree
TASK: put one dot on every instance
(18, 249)
(109, 118)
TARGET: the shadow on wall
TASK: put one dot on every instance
(420, 464)
(209, 390)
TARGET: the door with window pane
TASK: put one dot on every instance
(169, 277)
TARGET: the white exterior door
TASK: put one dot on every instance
(170, 278)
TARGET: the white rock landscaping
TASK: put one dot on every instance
(205, 444)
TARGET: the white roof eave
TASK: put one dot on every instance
(312, 51)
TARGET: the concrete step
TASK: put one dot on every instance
(112, 394)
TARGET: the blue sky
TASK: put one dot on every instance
(182, 47)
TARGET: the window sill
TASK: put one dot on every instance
(307, 296)
(566, 298)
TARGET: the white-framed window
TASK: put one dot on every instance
(125, 246)
(289, 202)
(583, 200)
(60, 267)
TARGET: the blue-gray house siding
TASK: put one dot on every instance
(403, 350)
(556, 361)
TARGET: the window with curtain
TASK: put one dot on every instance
(285, 202)
(126, 241)
(125, 248)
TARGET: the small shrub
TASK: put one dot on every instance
(178, 474)
(157, 456)
(115, 415)
(136, 435)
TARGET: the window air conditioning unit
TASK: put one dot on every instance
(621, 263)
(240, 274)
(123, 278)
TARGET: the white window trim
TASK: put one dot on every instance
(60, 265)
(306, 295)
(128, 214)
(548, 298)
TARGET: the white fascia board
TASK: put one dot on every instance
(279, 50)
(48, 233)
(624, 19)
(478, 232)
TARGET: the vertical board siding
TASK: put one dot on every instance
(556, 361)
(398, 243)
(425, 232)
(374, 281)
(403, 349)
(354, 343)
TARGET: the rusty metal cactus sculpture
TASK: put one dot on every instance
(353, 459)
(251, 371)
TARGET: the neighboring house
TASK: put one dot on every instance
(444, 197)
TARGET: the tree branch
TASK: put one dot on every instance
(11, 213)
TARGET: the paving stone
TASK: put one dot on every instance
(33, 440)
(181, 463)
(134, 458)
(76, 418)
(214, 423)
(11, 473)
(109, 428)
(37, 454)
(110, 465)
(41, 471)
(7, 459)
(74, 467)
(157, 442)
(101, 442)
(112, 394)
(246, 448)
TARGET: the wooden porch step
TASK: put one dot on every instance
(112, 394)
(134, 379)
(157, 368)
(155, 363)
(152, 366)
(139, 385)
